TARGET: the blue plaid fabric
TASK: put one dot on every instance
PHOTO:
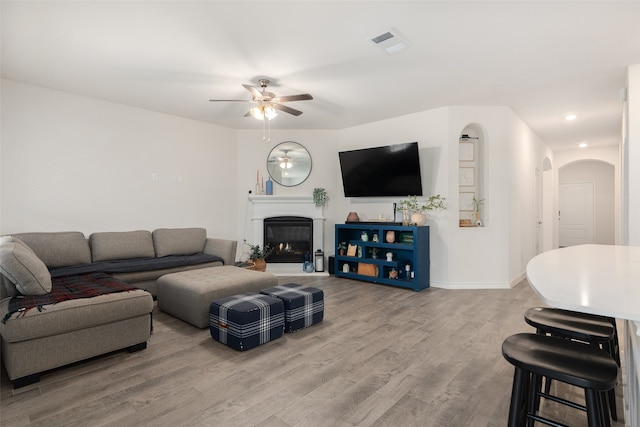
(247, 320)
(303, 305)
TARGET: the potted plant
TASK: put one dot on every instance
(342, 248)
(417, 207)
(476, 203)
(257, 255)
(320, 197)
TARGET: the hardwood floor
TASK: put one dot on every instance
(383, 356)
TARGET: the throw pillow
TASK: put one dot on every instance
(112, 245)
(179, 241)
(20, 265)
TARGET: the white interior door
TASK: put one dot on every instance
(576, 214)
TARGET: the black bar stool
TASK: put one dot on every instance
(571, 362)
(598, 331)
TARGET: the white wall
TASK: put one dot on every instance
(496, 255)
(325, 173)
(430, 130)
(527, 152)
(76, 163)
(479, 256)
(631, 152)
(491, 256)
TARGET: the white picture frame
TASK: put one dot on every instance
(466, 150)
(466, 201)
(466, 176)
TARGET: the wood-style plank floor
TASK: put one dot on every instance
(383, 356)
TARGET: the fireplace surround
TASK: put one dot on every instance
(287, 206)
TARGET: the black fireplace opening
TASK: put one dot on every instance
(290, 236)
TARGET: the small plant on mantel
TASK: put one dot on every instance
(320, 197)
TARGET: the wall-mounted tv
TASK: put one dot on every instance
(392, 170)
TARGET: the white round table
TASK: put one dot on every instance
(597, 279)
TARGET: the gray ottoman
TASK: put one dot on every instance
(187, 295)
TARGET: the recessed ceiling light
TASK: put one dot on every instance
(570, 117)
(583, 145)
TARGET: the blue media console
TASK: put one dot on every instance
(368, 247)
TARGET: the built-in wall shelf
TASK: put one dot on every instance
(408, 267)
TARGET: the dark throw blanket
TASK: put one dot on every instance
(136, 264)
(67, 288)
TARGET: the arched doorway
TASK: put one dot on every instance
(586, 199)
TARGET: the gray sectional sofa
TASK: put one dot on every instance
(49, 335)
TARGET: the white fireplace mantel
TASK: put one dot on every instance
(271, 206)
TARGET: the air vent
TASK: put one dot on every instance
(390, 42)
(382, 37)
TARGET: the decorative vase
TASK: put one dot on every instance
(353, 217)
(418, 219)
(405, 217)
(259, 264)
(390, 237)
(364, 236)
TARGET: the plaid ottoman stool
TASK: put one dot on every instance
(303, 305)
(245, 321)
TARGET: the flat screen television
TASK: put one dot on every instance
(392, 170)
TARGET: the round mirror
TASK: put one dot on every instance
(289, 164)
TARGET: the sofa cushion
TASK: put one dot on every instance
(20, 265)
(58, 249)
(179, 241)
(74, 315)
(121, 245)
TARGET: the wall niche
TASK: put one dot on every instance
(471, 177)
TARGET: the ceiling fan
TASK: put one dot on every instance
(267, 102)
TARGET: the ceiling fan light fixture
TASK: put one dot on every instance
(257, 113)
(286, 164)
(260, 112)
(270, 112)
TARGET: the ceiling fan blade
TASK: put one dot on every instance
(286, 109)
(288, 98)
(254, 92)
(229, 100)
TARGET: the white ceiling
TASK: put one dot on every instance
(544, 59)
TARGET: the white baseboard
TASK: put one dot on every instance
(479, 285)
